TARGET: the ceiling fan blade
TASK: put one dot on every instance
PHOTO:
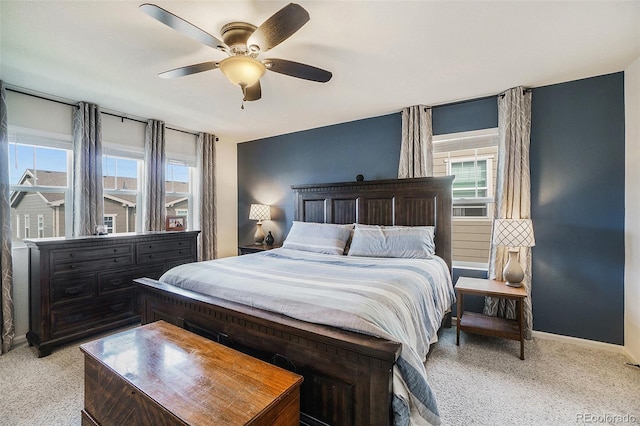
(182, 26)
(188, 70)
(279, 27)
(253, 93)
(296, 69)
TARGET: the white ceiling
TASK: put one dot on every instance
(384, 55)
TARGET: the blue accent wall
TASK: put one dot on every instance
(268, 167)
(577, 188)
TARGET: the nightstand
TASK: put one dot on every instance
(255, 248)
(473, 322)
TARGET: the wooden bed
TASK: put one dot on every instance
(347, 376)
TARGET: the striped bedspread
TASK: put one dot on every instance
(403, 300)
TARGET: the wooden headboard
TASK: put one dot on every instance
(406, 202)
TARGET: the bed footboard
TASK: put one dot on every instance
(347, 376)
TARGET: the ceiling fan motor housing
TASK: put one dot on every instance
(236, 34)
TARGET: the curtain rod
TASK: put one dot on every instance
(121, 117)
(525, 90)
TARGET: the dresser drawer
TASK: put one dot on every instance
(169, 254)
(89, 253)
(163, 246)
(93, 265)
(116, 281)
(67, 321)
(73, 289)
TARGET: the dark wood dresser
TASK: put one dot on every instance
(160, 374)
(80, 286)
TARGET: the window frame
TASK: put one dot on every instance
(461, 202)
(40, 224)
(27, 226)
(119, 153)
(22, 136)
(110, 229)
(191, 173)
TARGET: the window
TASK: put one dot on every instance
(39, 182)
(110, 222)
(27, 220)
(472, 186)
(40, 226)
(472, 158)
(121, 192)
(178, 189)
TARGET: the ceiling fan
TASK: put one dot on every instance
(243, 42)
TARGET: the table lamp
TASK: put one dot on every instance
(259, 212)
(513, 233)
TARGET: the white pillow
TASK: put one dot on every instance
(325, 238)
(415, 242)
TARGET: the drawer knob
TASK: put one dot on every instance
(115, 250)
(115, 260)
(74, 318)
(73, 290)
(150, 256)
(117, 307)
(72, 266)
(116, 282)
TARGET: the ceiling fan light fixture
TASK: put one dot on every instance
(241, 70)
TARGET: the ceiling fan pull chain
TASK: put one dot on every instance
(244, 95)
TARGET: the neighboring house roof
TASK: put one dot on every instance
(110, 183)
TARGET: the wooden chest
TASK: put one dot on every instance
(160, 374)
(84, 285)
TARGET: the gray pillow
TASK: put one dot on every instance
(415, 242)
(325, 238)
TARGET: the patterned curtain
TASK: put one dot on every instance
(513, 194)
(416, 151)
(6, 296)
(153, 192)
(88, 201)
(207, 191)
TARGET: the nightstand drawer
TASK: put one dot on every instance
(256, 248)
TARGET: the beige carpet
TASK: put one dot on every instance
(482, 382)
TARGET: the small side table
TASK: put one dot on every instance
(473, 322)
(255, 248)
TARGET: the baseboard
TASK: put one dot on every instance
(19, 340)
(629, 355)
(576, 341)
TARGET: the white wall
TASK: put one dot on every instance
(227, 198)
(632, 211)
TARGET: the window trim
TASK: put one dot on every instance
(474, 200)
(128, 155)
(27, 225)
(113, 217)
(191, 172)
(40, 221)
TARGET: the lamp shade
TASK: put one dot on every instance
(259, 212)
(513, 233)
(242, 70)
